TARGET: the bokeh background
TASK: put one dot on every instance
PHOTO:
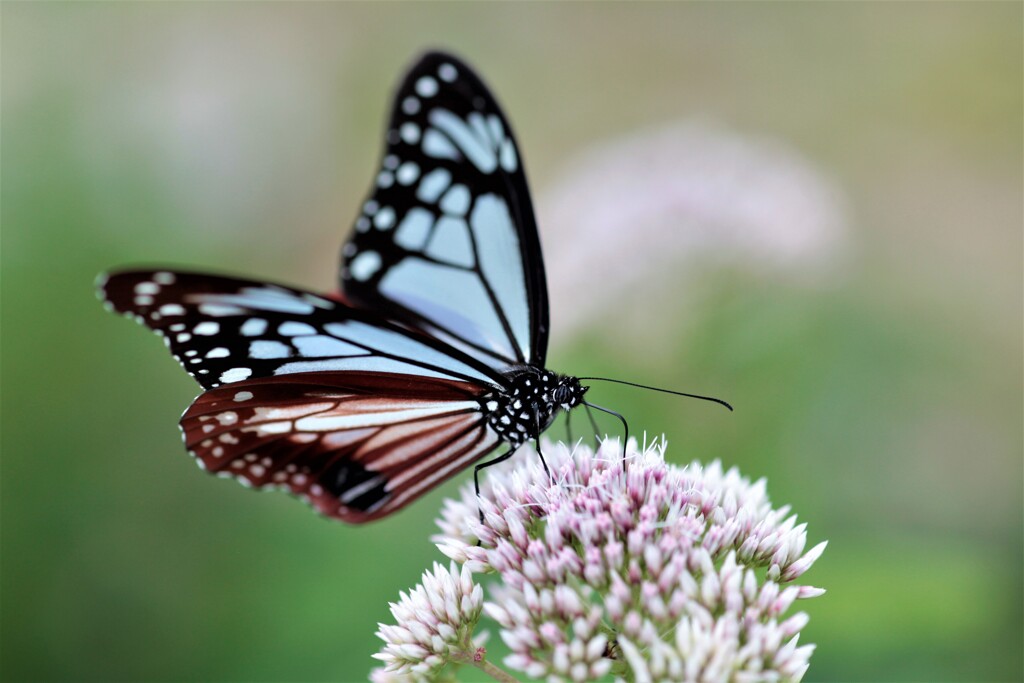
(812, 210)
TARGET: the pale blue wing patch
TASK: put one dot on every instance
(460, 293)
(496, 238)
(450, 252)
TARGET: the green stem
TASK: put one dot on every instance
(494, 672)
(491, 670)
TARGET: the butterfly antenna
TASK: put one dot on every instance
(625, 425)
(664, 391)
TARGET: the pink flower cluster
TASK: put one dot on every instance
(634, 567)
(435, 623)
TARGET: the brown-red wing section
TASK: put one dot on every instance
(357, 446)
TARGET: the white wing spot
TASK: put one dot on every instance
(147, 288)
(172, 309)
(235, 375)
(365, 265)
(410, 105)
(143, 300)
(385, 218)
(408, 173)
(362, 224)
(391, 162)
(243, 396)
(410, 132)
(254, 327)
(426, 86)
(227, 418)
(183, 337)
(206, 328)
(218, 352)
(447, 72)
(385, 179)
(370, 207)
(163, 278)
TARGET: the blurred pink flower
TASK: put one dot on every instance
(675, 199)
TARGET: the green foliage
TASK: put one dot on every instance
(883, 402)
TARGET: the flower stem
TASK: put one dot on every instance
(494, 672)
(481, 663)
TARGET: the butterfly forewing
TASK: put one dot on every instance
(358, 446)
(447, 241)
(226, 330)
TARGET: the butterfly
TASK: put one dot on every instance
(431, 357)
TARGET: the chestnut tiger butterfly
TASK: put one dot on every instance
(432, 355)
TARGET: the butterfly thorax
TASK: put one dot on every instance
(529, 401)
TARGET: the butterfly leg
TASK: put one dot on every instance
(536, 441)
(476, 475)
(593, 424)
(625, 425)
(568, 426)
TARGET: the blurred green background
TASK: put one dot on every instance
(881, 397)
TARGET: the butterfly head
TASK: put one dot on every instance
(568, 393)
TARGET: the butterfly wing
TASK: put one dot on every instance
(226, 330)
(447, 241)
(334, 404)
(357, 446)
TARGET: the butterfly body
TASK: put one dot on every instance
(429, 358)
(528, 403)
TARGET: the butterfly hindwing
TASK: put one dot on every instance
(447, 241)
(225, 330)
(358, 446)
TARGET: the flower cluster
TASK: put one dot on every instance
(435, 623)
(624, 564)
